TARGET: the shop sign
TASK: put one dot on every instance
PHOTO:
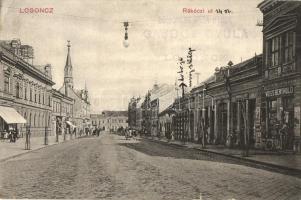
(280, 91)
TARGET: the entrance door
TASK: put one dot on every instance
(252, 111)
(288, 120)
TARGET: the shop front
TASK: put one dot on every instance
(282, 117)
(9, 120)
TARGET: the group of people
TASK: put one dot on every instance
(12, 135)
(96, 132)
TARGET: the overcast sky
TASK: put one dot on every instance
(159, 32)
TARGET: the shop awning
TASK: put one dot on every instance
(70, 124)
(11, 116)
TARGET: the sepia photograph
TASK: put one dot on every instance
(150, 99)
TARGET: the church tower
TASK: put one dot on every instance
(68, 78)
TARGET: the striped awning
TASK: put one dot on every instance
(11, 116)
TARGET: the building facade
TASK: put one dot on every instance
(25, 87)
(281, 95)
(62, 114)
(161, 96)
(110, 120)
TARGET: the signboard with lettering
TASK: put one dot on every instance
(280, 91)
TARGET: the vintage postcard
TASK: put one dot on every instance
(150, 99)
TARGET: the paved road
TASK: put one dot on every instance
(110, 167)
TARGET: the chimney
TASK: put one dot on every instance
(47, 71)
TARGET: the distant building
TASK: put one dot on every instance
(81, 106)
(25, 90)
(135, 113)
(161, 96)
(110, 120)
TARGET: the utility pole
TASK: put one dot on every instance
(203, 119)
(245, 111)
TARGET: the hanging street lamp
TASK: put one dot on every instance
(126, 41)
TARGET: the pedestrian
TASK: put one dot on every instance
(10, 136)
(283, 136)
(98, 132)
(14, 136)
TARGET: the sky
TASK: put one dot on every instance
(159, 33)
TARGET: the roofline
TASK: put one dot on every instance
(20, 62)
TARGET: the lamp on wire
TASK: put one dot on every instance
(126, 41)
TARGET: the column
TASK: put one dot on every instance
(210, 124)
(229, 121)
(258, 128)
(195, 123)
(247, 136)
(188, 124)
(238, 127)
(215, 122)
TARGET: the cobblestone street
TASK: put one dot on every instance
(110, 167)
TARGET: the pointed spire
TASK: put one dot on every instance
(68, 61)
(68, 78)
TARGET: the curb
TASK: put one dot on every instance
(298, 171)
(26, 151)
(266, 165)
(32, 150)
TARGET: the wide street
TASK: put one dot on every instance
(110, 167)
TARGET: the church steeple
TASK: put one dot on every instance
(68, 78)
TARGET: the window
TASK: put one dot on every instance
(49, 101)
(275, 51)
(35, 96)
(17, 90)
(30, 94)
(34, 120)
(280, 49)
(288, 47)
(39, 97)
(6, 84)
(25, 92)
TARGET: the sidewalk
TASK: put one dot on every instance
(280, 159)
(9, 150)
